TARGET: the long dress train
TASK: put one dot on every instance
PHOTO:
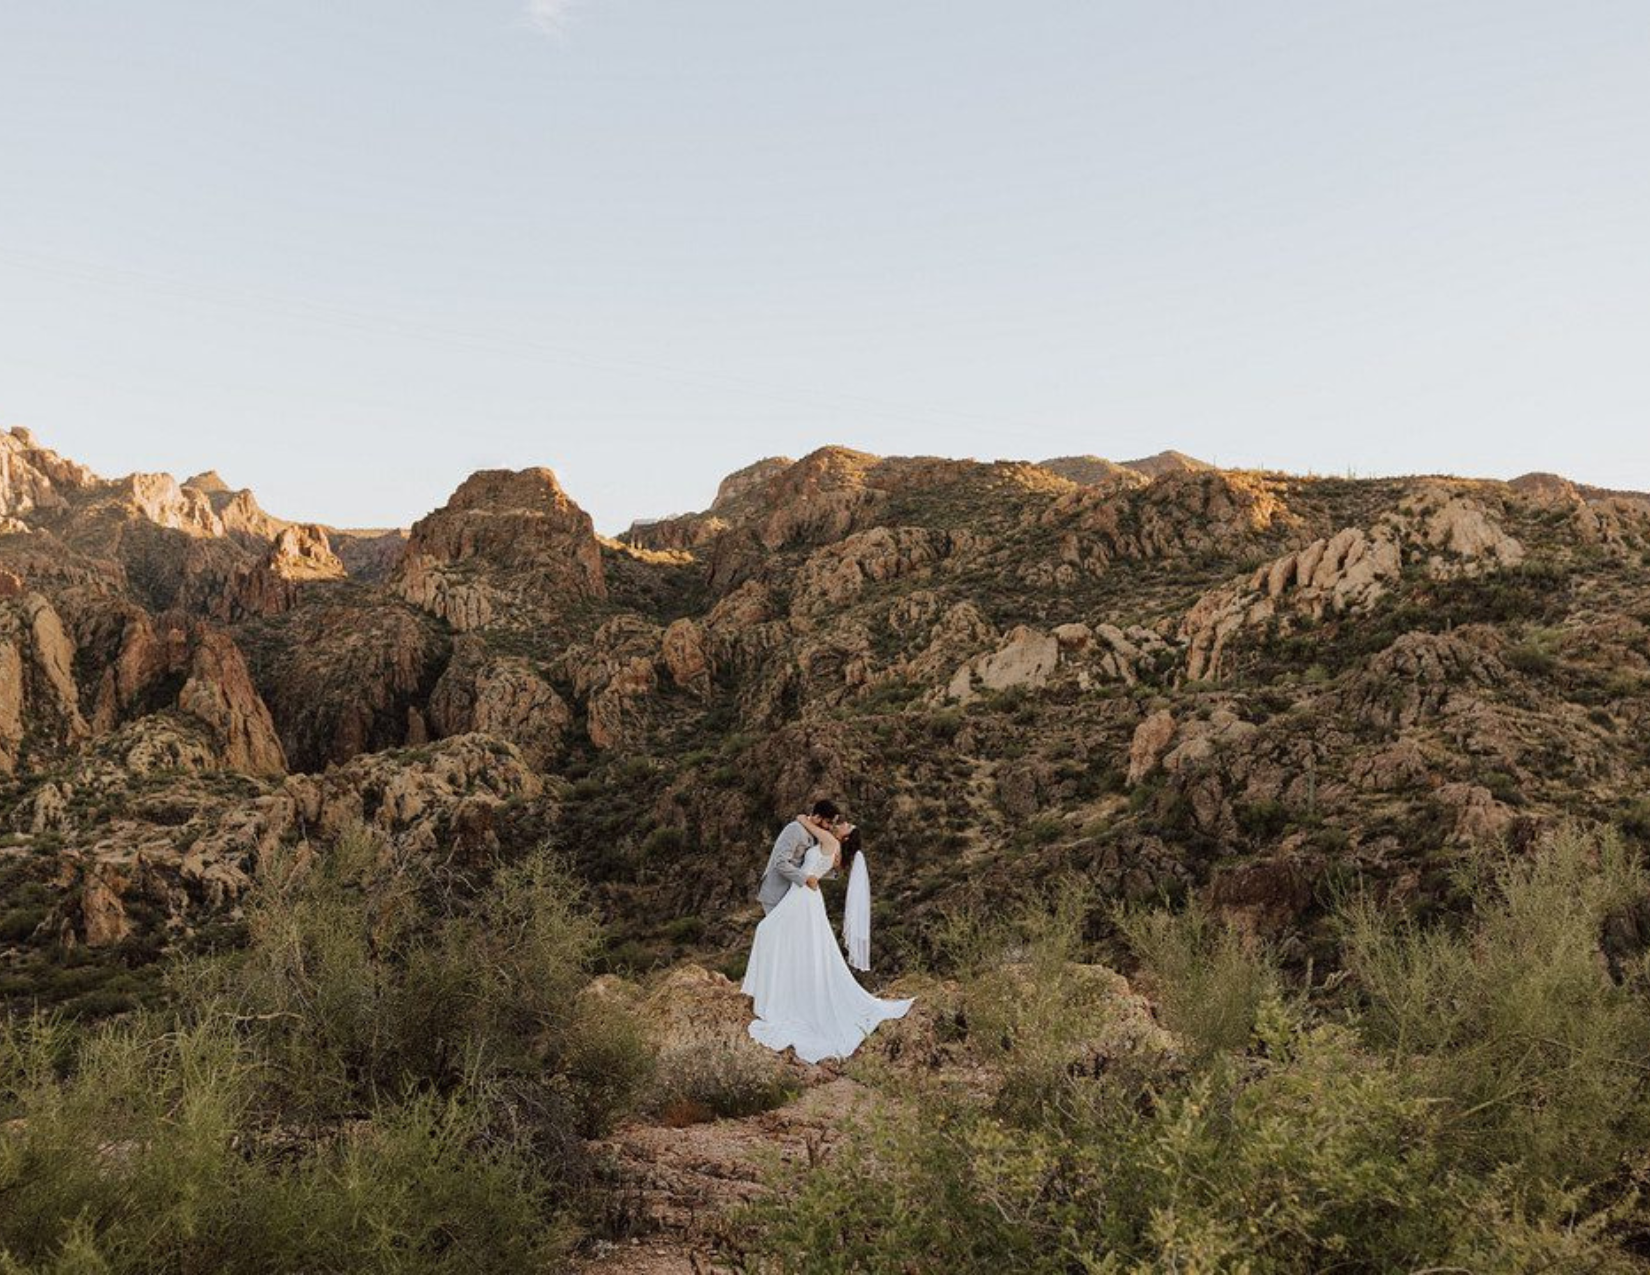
(806, 996)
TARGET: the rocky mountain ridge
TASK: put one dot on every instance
(1158, 674)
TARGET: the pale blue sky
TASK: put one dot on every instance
(347, 251)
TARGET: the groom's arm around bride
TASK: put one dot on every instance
(785, 862)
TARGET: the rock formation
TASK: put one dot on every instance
(1160, 676)
(504, 540)
(501, 696)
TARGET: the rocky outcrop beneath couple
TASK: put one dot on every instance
(692, 1018)
(505, 544)
(39, 701)
(692, 1010)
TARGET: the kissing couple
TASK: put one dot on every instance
(806, 997)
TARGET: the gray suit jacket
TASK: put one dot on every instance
(785, 865)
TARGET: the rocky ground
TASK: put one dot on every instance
(680, 1177)
(1163, 677)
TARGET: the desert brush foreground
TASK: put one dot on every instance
(1264, 851)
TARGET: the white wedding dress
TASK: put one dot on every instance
(806, 997)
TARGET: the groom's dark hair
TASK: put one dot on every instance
(825, 810)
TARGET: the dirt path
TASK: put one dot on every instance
(685, 1180)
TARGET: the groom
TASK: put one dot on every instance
(785, 863)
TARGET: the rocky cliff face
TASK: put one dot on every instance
(1159, 675)
(505, 546)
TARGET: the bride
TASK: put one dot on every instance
(806, 997)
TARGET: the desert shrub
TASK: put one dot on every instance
(364, 983)
(685, 929)
(397, 1074)
(946, 724)
(1314, 1155)
(1520, 1032)
(1029, 1000)
(1263, 820)
(664, 841)
(18, 923)
(1208, 982)
(1419, 1128)
(1534, 656)
(1635, 819)
(133, 1150)
(702, 1082)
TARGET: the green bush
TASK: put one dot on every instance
(1516, 1027)
(699, 1083)
(147, 1157)
(1263, 820)
(1208, 983)
(364, 984)
(1029, 1000)
(396, 1075)
(1477, 1104)
(664, 841)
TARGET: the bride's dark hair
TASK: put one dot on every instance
(850, 847)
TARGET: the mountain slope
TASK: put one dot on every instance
(1166, 677)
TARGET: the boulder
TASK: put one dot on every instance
(1151, 740)
(1027, 658)
(684, 654)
